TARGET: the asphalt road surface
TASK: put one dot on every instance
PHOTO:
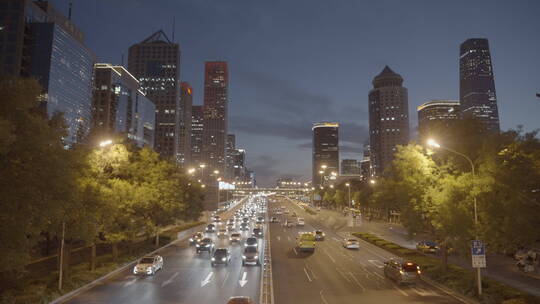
(185, 278)
(333, 274)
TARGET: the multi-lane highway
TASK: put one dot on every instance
(186, 277)
(333, 274)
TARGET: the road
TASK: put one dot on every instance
(333, 274)
(186, 278)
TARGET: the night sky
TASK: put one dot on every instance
(295, 62)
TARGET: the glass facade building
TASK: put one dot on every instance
(325, 151)
(436, 112)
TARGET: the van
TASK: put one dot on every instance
(306, 242)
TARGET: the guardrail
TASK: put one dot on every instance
(267, 285)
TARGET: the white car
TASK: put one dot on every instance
(300, 222)
(351, 243)
(222, 232)
(148, 265)
(235, 237)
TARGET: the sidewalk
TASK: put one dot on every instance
(500, 267)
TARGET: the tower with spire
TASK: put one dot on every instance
(388, 118)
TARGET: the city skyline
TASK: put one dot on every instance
(268, 69)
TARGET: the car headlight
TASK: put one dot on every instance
(191, 239)
(224, 259)
(135, 270)
(256, 257)
(197, 245)
(213, 259)
(243, 257)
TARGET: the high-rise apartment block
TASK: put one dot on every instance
(156, 63)
(184, 122)
(120, 107)
(38, 41)
(388, 118)
(197, 133)
(325, 161)
(476, 83)
(216, 85)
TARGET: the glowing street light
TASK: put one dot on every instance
(372, 181)
(324, 167)
(432, 143)
(191, 170)
(349, 186)
(105, 143)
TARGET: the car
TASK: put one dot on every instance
(274, 220)
(305, 242)
(427, 247)
(300, 222)
(194, 239)
(260, 219)
(244, 226)
(210, 228)
(402, 272)
(258, 232)
(319, 235)
(231, 221)
(148, 265)
(351, 243)
(220, 256)
(235, 237)
(250, 256)
(216, 218)
(279, 212)
(287, 223)
(205, 244)
(251, 242)
(240, 300)
(286, 211)
(222, 232)
(245, 220)
(231, 227)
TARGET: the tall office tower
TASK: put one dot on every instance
(365, 163)
(350, 167)
(184, 117)
(155, 61)
(216, 84)
(229, 150)
(120, 107)
(240, 171)
(197, 133)
(38, 41)
(388, 118)
(476, 84)
(325, 160)
(436, 112)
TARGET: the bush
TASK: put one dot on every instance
(310, 211)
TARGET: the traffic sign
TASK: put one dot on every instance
(478, 253)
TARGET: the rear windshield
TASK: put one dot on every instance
(307, 237)
(235, 234)
(147, 261)
(207, 240)
(251, 240)
(410, 267)
(221, 252)
(250, 249)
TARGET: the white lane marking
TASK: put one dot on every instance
(329, 256)
(343, 275)
(126, 284)
(377, 263)
(243, 281)
(357, 282)
(420, 293)
(307, 275)
(380, 276)
(322, 298)
(169, 281)
(225, 280)
(312, 272)
(295, 252)
(207, 279)
(400, 290)
(278, 238)
(336, 239)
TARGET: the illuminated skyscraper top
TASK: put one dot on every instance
(476, 83)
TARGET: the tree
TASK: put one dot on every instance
(340, 198)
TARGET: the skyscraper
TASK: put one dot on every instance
(229, 160)
(431, 113)
(216, 85)
(119, 106)
(156, 63)
(38, 41)
(197, 133)
(476, 84)
(184, 121)
(388, 118)
(325, 151)
(350, 167)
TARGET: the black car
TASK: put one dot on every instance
(251, 242)
(244, 227)
(221, 256)
(210, 228)
(258, 232)
(319, 235)
(205, 244)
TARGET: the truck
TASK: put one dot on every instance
(305, 242)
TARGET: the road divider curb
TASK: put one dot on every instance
(267, 285)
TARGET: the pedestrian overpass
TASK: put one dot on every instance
(238, 192)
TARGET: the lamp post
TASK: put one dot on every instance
(202, 166)
(349, 187)
(434, 144)
(218, 180)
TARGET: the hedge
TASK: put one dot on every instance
(457, 278)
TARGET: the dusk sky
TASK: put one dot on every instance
(293, 63)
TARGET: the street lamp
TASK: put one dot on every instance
(349, 187)
(191, 170)
(372, 181)
(332, 186)
(218, 180)
(105, 143)
(432, 143)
